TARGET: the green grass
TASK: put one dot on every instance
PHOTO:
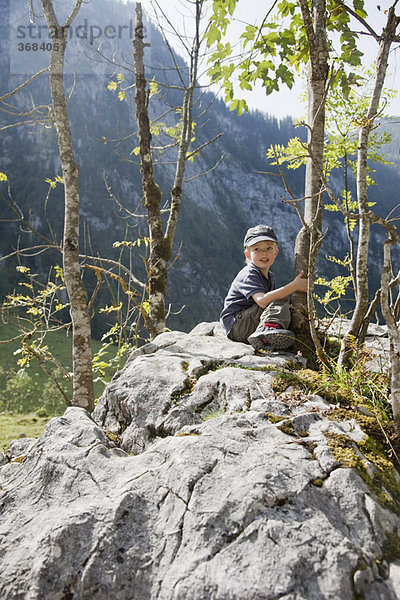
(14, 426)
(59, 344)
(31, 402)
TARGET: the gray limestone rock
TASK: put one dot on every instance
(173, 382)
(19, 447)
(225, 491)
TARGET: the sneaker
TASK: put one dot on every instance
(271, 336)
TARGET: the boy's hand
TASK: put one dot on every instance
(300, 283)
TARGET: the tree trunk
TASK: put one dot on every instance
(315, 26)
(83, 394)
(160, 244)
(160, 250)
(393, 330)
(186, 135)
(362, 288)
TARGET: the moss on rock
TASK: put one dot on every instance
(384, 480)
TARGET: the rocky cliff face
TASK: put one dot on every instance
(221, 488)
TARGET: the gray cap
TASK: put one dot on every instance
(259, 233)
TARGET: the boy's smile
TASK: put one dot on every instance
(262, 254)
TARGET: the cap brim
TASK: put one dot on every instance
(261, 238)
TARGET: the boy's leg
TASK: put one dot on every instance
(272, 331)
(277, 312)
(246, 322)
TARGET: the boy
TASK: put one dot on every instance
(255, 312)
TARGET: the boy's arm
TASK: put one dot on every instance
(297, 285)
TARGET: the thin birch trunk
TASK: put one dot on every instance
(362, 287)
(83, 394)
(159, 250)
(393, 330)
(186, 135)
(160, 243)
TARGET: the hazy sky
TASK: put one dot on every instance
(253, 11)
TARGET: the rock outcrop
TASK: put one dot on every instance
(195, 480)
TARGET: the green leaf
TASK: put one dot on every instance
(239, 106)
(359, 8)
(231, 6)
(154, 89)
(249, 34)
(245, 85)
(213, 35)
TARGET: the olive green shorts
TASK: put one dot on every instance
(248, 319)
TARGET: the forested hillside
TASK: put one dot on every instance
(217, 207)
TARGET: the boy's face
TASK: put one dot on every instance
(262, 254)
